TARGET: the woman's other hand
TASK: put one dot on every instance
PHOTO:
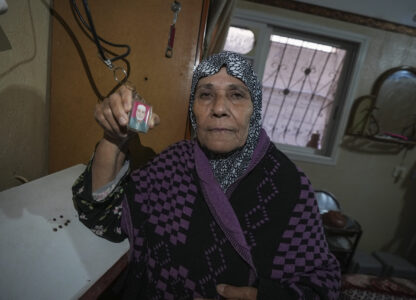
(231, 292)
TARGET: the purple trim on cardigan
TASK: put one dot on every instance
(219, 204)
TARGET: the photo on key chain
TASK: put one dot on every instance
(140, 116)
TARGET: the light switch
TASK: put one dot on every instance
(4, 41)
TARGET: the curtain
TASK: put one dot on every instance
(219, 18)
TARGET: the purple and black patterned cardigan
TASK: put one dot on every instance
(187, 236)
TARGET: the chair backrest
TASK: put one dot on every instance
(326, 201)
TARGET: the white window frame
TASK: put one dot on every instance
(258, 22)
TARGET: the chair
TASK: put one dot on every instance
(342, 241)
(326, 201)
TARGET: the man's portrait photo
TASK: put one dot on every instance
(140, 116)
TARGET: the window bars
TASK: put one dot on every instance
(300, 83)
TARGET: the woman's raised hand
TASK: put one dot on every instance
(112, 114)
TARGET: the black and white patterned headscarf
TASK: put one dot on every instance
(228, 168)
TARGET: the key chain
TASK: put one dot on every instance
(176, 7)
(141, 112)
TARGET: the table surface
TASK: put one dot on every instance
(38, 262)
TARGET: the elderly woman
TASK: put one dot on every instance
(223, 215)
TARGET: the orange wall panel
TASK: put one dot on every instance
(163, 82)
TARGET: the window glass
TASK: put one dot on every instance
(239, 40)
(300, 83)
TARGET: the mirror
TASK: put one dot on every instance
(395, 102)
(389, 112)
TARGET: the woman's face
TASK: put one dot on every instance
(222, 109)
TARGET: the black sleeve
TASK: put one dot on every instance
(102, 216)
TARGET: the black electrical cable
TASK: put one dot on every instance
(96, 38)
(101, 39)
(92, 30)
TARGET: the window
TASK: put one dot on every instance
(300, 81)
(239, 40)
(307, 73)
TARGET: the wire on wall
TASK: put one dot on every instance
(82, 55)
(96, 38)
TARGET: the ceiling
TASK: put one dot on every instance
(396, 11)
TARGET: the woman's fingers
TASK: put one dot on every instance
(235, 292)
(126, 94)
(230, 292)
(100, 118)
(109, 111)
(154, 121)
(116, 106)
(111, 116)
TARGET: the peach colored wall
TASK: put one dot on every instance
(24, 92)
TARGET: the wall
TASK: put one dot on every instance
(362, 181)
(24, 92)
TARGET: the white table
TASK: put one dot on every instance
(37, 262)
